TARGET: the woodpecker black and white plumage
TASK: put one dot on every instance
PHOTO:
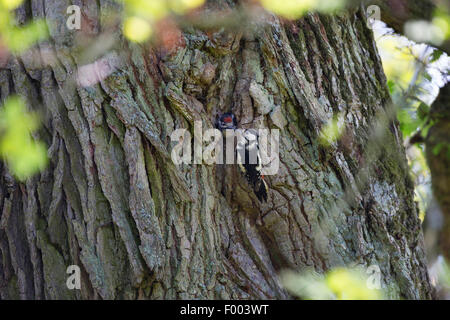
(227, 121)
(247, 154)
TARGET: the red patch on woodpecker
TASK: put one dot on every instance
(228, 119)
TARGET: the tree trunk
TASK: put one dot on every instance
(113, 202)
(438, 158)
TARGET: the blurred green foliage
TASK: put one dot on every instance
(294, 9)
(18, 38)
(142, 15)
(332, 130)
(337, 284)
(415, 72)
(24, 155)
(441, 20)
(10, 4)
(434, 32)
(444, 274)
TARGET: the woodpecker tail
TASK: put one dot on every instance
(261, 189)
(249, 161)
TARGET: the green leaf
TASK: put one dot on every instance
(438, 148)
(427, 76)
(20, 39)
(408, 124)
(332, 130)
(23, 154)
(392, 86)
(427, 128)
(423, 110)
(436, 55)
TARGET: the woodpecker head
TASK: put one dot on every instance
(227, 121)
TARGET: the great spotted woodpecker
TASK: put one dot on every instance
(247, 154)
(227, 121)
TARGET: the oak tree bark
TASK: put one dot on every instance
(112, 201)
